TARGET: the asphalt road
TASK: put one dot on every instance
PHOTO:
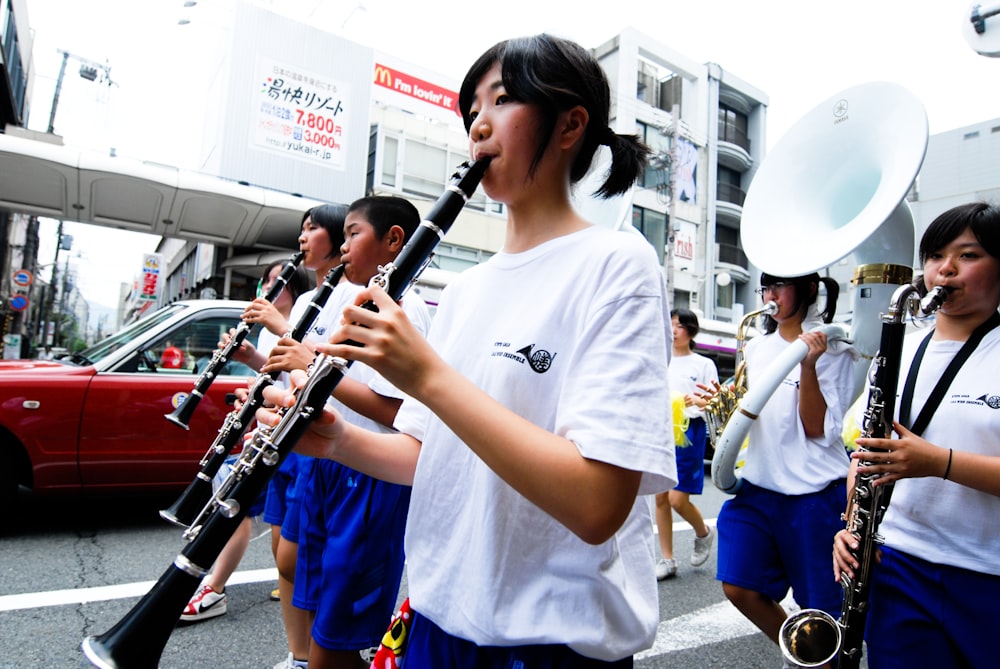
(73, 569)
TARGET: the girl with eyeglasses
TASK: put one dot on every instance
(774, 534)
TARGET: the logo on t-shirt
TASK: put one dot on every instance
(992, 401)
(539, 360)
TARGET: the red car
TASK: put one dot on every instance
(95, 420)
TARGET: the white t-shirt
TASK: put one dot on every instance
(780, 456)
(418, 314)
(326, 321)
(940, 520)
(573, 335)
(686, 372)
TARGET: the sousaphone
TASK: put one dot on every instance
(833, 186)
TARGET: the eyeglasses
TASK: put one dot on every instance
(771, 288)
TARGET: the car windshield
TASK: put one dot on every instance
(98, 352)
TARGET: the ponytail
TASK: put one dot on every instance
(832, 292)
(628, 160)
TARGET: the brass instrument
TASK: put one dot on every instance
(811, 637)
(835, 185)
(724, 402)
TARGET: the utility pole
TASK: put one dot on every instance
(672, 224)
(46, 318)
(88, 70)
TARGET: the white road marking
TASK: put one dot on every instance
(34, 600)
(711, 624)
(718, 622)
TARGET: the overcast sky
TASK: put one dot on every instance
(798, 52)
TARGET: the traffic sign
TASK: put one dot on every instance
(23, 277)
(18, 302)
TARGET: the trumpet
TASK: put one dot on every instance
(182, 414)
(138, 639)
(199, 492)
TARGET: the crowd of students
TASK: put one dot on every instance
(506, 449)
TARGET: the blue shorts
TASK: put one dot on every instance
(770, 542)
(258, 506)
(430, 647)
(293, 499)
(310, 537)
(930, 615)
(281, 485)
(691, 459)
(353, 527)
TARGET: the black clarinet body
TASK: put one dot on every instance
(198, 494)
(181, 416)
(811, 637)
(138, 639)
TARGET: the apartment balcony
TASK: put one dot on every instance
(734, 148)
(729, 204)
(731, 258)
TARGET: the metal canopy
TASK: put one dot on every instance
(55, 181)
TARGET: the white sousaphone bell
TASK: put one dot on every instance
(834, 185)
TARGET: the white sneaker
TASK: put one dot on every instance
(206, 603)
(702, 548)
(291, 663)
(666, 568)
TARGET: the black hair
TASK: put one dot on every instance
(385, 211)
(297, 284)
(688, 320)
(330, 217)
(806, 292)
(980, 218)
(555, 75)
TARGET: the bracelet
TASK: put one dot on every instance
(947, 469)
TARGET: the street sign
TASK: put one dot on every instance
(23, 278)
(18, 302)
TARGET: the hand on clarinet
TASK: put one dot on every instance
(325, 431)
(909, 456)
(390, 344)
(288, 355)
(263, 313)
(843, 558)
(244, 352)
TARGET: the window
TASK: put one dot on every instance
(733, 127)
(188, 349)
(424, 168)
(653, 226)
(658, 172)
(390, 160)
(728, 186)
(412, 167)
(457, 258)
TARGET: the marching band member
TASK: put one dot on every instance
(774, 533)
(540, 408)
(937, 580)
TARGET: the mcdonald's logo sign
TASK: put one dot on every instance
(416, 88)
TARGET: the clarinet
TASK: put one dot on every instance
(198, 494)
(810, 637)
(182, 414)
(139, 638)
